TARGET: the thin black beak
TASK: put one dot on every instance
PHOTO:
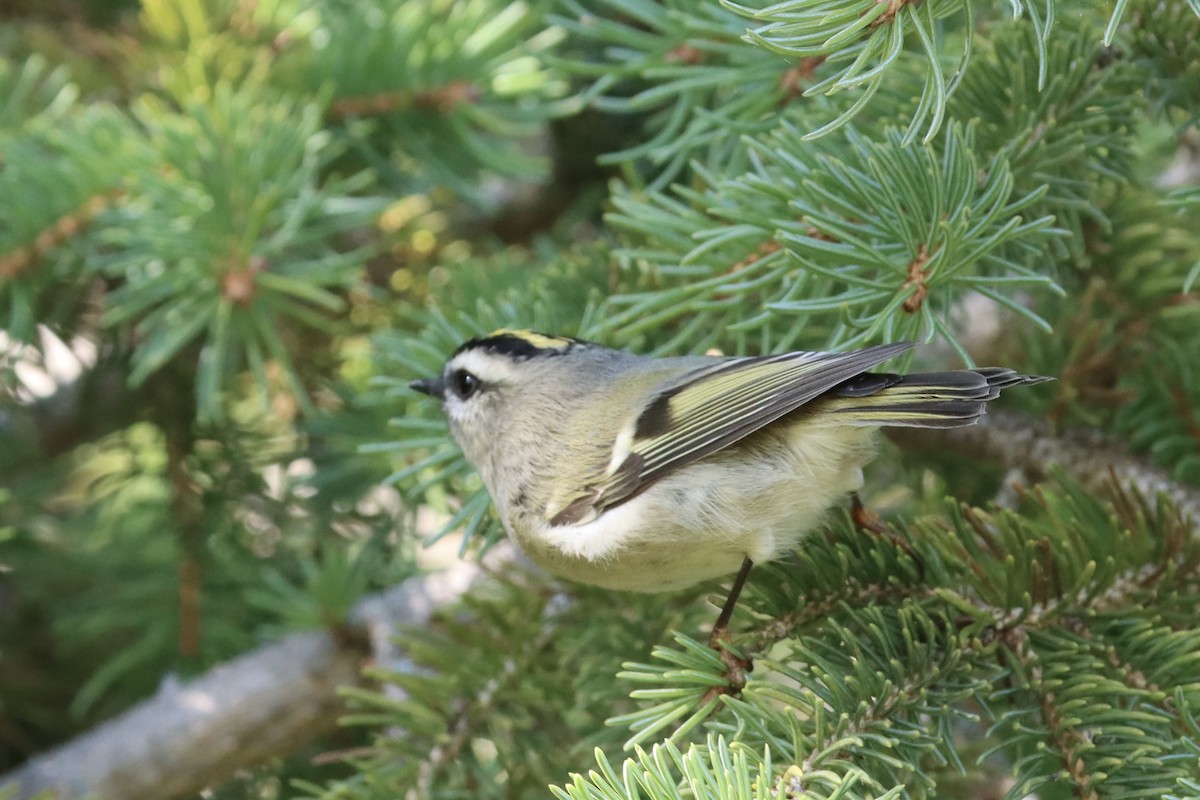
(434, 387)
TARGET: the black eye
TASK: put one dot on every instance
(465, 384)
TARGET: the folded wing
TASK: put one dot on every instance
(709, 409)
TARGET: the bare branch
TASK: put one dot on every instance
(263, 704)
(1016, 442)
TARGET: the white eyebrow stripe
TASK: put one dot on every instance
(488, 368)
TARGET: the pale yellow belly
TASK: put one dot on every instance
(698, 523)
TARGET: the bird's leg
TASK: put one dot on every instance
(737, 666)
(720, 629)
(867, 520)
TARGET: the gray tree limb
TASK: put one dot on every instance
(1016, 442)
(265, 703)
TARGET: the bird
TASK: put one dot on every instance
(650, 474)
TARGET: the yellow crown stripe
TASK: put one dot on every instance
(538, 340)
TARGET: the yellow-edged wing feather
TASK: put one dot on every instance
(711, 408)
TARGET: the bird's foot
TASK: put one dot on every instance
(736, 666)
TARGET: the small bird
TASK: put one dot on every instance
(651, 474)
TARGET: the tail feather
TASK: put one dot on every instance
(922, 400)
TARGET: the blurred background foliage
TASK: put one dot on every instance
(231, 231)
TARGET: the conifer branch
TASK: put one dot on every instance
(716, 770)
(15, 262)
(829, 243)
(440, 99)
(55, 182)
(1016, 442)
(1057, 632)
(467, 712)
(259, 252)
(457, 109)
(1063, 736)
(33, 94)
(261, 705)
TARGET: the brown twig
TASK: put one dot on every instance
(1069, 741)
(793, 79)
(685, 54)
(441, 99)
(239, 284)
(893, 8)
(1013, 441)
(916, 280)
(764, 249)
(14, 262)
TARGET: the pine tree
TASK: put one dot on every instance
(231, 232)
